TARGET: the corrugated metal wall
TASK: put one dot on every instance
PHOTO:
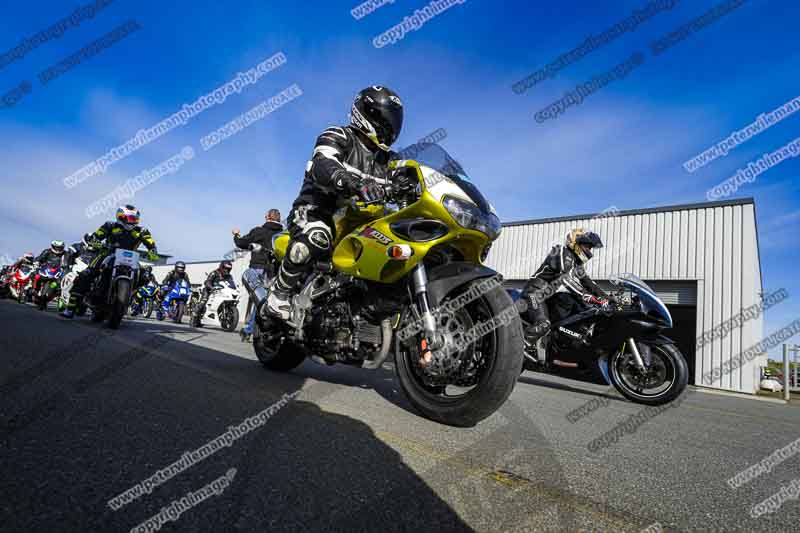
(716, 245)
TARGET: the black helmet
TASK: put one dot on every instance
(225, 267)
(378, 113)
(582, 241)
(28, 257)
(180, 267)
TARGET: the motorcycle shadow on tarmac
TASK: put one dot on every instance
(532, 378)
(127, 408)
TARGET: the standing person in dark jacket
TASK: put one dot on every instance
(222, 273)
(262, 259)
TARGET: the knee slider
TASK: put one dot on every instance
(298, 253)
(319, 239)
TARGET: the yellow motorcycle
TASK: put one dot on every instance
(407, 277)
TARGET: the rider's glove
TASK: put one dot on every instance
(370, 191)
(351, 184)
(591, 299)
(152, 255)
(346, 182)
(255, 247)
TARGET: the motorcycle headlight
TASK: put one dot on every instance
(469, 216)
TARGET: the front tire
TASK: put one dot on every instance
(668, 367)
(180, 308)
(120, 304)
(230, 317)
(147, 308)
(41, 300)
(503, 347)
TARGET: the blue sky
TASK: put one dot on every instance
(623, 146)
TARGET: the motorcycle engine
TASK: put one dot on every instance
(330, 329)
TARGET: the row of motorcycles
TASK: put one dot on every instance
(35, 283)
(180, 300)
(112, 295)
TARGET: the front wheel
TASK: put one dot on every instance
(661, 383)
(229, 317)
(41, 300)
(473, 383)
(180, 308)
(147, 308)
(120, 303)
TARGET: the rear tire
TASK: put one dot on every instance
(495, 383)
(120, 305)
(281, 358)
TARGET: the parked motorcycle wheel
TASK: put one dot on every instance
(274, 353)
(21, 297)
(665, 380)
(500, 353)
(229, 317)
(120, 304)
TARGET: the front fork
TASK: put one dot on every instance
(637, 357)
(419, 279)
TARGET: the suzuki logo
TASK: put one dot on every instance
(568, 332)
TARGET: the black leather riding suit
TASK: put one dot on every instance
(311, 225)
(561, 268)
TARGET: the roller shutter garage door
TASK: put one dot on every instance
(670, 292)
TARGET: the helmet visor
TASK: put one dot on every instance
(387, 121)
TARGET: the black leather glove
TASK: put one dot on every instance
(370, 191)
(346, 182)
(351, 184)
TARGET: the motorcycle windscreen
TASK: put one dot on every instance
(654, 308)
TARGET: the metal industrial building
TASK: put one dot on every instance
(701, 259)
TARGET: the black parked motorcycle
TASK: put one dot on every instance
(623, 340)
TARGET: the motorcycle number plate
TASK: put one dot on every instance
(126, 258)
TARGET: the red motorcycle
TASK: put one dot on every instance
(19, 283)
(46, 285)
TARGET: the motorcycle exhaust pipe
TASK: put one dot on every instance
(386, 343)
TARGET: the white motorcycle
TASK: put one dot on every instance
(222, 307)
(67, 283)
